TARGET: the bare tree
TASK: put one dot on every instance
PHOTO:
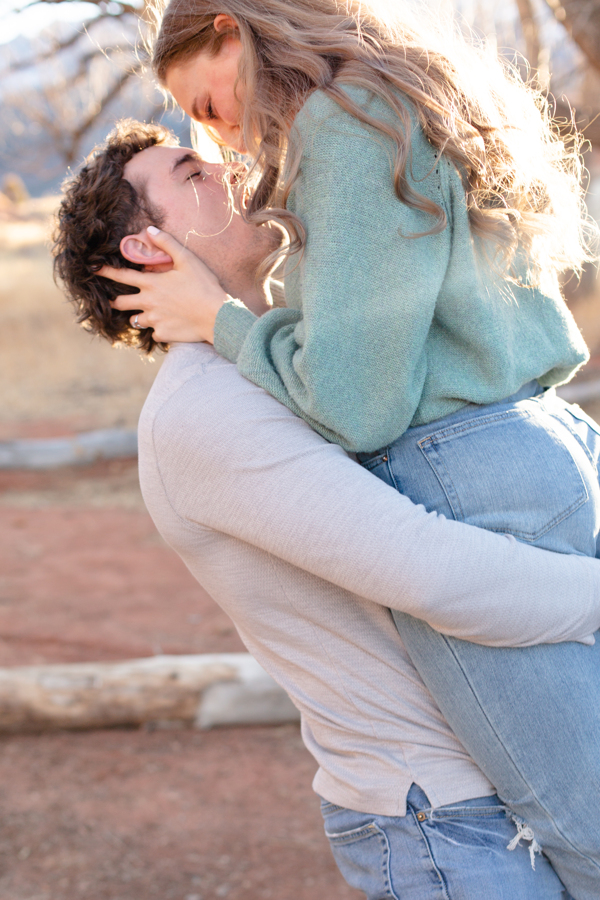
(531, 33)
(68, 122)
(581, 18)
(87, 69)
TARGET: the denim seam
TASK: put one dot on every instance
(452, 496)
(474, 424)
(353, 834)
(391, 473)
(564, 422)
(326, 806)
(576, 412)
(574, 434)
(372, 461)
(465, 812)
(362, 833)
(442, 880)
(387, 868)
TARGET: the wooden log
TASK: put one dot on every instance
(96, 695)
(78, 450)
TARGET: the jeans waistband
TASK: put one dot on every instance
(530, 389)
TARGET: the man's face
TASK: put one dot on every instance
(194, 200)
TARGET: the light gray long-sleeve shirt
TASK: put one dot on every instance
(306, 551)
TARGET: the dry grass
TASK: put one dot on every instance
(54, 375)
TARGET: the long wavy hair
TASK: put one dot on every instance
(522, 177)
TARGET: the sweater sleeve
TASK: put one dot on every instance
(243, 465)
(349, 356)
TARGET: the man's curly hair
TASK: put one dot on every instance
(99, 208)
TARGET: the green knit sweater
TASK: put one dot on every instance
(383, 330)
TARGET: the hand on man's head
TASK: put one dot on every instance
(179, 303)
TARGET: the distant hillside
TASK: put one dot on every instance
(36, 99)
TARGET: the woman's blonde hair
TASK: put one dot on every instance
(522, 178)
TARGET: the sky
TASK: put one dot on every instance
(30, 21)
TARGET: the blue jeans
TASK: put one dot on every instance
(529, 717)
(455, 852)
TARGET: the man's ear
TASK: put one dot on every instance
(137, 248)
(224, 22)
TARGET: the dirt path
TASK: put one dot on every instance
(85, 576)
(182, 815)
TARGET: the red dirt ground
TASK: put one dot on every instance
(182, 815)
(134, 814)
(80, 583)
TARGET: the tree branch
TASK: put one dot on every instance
(530, 33)
(124, 7)
(59, 46)
(581, 18)
(79, 133)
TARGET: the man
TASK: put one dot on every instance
(307, 552)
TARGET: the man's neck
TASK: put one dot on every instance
(257, 299)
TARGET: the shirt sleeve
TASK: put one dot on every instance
(244, 465)
(349, 356)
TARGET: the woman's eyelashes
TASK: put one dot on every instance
(193, 175)
(209, 112)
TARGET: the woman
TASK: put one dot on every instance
(435, 209)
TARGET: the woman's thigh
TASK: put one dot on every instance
(529, 717)
(456, 852)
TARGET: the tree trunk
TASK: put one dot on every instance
(581, 18)
(530, 33)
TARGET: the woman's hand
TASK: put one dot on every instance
(181, 303)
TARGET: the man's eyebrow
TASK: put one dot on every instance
(190, 156)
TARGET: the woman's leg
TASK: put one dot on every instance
(529, 717)
(455, 852)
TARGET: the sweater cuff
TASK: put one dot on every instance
(232, 325)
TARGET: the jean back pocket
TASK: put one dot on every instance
(513, 471)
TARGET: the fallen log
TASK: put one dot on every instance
(203, 690)
(78, 450)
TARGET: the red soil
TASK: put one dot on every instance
(133, 814)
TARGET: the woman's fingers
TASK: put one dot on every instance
(137, 321)
(179, 298)
(165, 241)
(124, 276)
(127, 301)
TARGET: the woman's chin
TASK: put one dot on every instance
(239, 145)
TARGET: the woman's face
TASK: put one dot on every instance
(204, 87)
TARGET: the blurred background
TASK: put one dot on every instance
(172, 813)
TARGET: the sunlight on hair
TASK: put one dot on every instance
(522, 178)
(202, 143)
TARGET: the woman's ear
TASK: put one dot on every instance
(138, 249)
(224, 22)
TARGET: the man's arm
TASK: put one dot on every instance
(233, 459)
